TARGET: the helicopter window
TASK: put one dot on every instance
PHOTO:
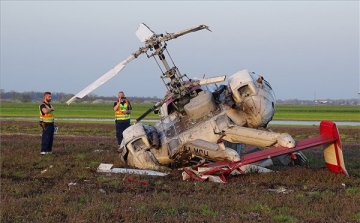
(138, 145)
(171, 108)
(245, 91)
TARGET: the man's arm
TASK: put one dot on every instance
(46, 110)
(116, 105)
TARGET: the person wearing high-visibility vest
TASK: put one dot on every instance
(122, 109)
(47, 124)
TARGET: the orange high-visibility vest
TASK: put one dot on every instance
(120, 113)
(48, 118)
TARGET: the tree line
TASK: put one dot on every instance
(36, 96)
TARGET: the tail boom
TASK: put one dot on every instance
(329, 138)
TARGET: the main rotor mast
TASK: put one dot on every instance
(157, 42)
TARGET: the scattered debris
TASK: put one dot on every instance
(281, 190)
(218, 172)
(44, 171)
(71, 184)
(135, 180)
(106, 168)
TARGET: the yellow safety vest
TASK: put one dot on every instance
(120, 113)
(48, 118)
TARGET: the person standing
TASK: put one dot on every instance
(47, 124)
(122, 109)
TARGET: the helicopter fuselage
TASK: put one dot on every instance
(199, 128)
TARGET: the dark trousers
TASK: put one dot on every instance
(120, 126)
(47, 138)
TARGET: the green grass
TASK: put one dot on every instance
(80, 110)
(104, 110)
(317, 112)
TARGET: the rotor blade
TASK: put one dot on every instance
(170, 36)
(107, 76)
(212, 80)
(144, 33)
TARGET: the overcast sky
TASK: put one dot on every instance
(305, 49)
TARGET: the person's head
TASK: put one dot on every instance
(47, 96)
(121, 96)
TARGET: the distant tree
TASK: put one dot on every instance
(65, 97)
(2, 94)
(15, 95)
(25, 97)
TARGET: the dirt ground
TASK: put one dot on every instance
(65, 186)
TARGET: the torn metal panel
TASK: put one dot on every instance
(106, 168)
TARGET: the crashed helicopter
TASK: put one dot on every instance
(203, 123)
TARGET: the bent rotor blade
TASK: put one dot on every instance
(144, 33)
(107, 76)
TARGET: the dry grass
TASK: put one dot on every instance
(65, 187)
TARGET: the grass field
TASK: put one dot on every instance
(83, 110)
(65, 186)
(76, 110)
(317, 112)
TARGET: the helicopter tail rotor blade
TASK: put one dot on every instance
(107, 76)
